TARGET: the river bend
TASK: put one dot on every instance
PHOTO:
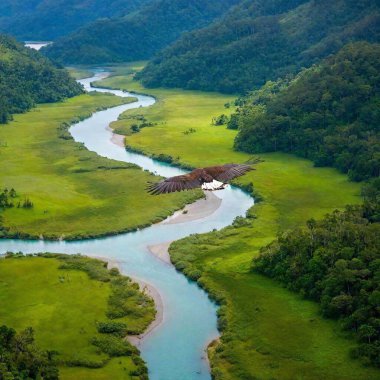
(174, 350)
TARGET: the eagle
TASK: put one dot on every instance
(210, 178)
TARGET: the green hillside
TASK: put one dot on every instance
(136, 36)
(49, 19)
(329, 114)
(259, 41)
(336, 262)
(28, 78)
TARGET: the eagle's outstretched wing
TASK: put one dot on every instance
(229, 171)
(177, 183)
(197, 177)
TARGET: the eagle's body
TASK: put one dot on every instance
(211, 178)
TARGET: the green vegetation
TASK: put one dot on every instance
(173, 115)
(75, 193)
(268, 332)
(7, 198)
(10, 198)
(20, 358)
(329, 114)
(79, 72)
(261, 40)
(49, 19)
(28, 78)
(84, 300)
(128, 124)
(138, 35)
(336, 262)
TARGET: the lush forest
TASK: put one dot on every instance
(136, 36)
(336, 261)
(328, 113)
(262, 40)
(21, 358)
(28, 78)
(49, 19)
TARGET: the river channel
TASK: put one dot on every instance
(175, 349)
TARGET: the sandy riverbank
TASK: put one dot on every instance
(194, 211)
(150, 290)
(197, 210)
(146, 288)
(118, 140)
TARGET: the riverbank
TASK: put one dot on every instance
(76, 194)
(145, 288)
(72, 313)
(272, 333)
(195, 211)
(201, 323)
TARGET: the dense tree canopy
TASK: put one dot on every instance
(21, 359)
(328, 113)
(49, 19)
(27, 78)
(336, 261)
(136, 36)
(261, 40)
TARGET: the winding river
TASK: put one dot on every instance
(175, 349)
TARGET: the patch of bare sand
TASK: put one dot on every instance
(118, 140)
(197, 210)
(194, 211)
(161, 251)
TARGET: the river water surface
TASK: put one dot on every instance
(175, 350)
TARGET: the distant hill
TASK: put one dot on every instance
(329, 113)
(28, 78)
(138, 35)
(261, 40)
(49, 19)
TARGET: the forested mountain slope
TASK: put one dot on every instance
(328, 113)
(336, 262)
(261, 40)
(27, 78)
(49, 19)
(139, 35)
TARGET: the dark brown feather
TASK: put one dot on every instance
(197, 177)
(229, 171)
(177, 183)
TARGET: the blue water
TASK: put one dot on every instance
(175, 350)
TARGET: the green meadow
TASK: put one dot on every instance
(268, 332)
(75, 193)
(79, 72)
(64, 299)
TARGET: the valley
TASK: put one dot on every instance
(189, 190)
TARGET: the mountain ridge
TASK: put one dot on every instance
(271, 44)
(137, 36)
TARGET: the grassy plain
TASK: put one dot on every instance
(79, 72)
(75, 193)
(63, 304)
(268, 332)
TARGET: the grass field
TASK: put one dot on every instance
(63, 298)
(268, 332)
(79, 73)
(75, 193)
